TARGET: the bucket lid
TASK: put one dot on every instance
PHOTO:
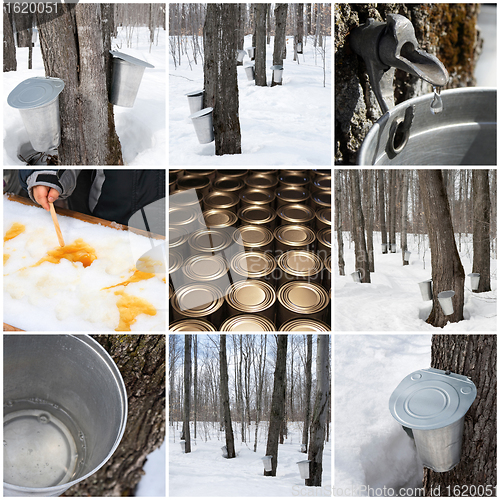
(446, 294)
(277, 67)
(35, 92)
(431, 399)
(130, 59)
(195, 93)
(202, 112)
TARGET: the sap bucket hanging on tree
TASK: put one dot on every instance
(432, 404)
(127, 77)
(203, 125)
(37, 99)
(426, 289)
(304, 468)
(65, 400)
(195, 100)
(277, 73)
(445, 301)
(250, 71)
(267, 463)
(474, 280)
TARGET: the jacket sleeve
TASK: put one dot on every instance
(64, 181)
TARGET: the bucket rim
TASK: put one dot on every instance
(130, 59)
(202, 112)
(50, 88)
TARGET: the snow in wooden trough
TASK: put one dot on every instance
(89, 284)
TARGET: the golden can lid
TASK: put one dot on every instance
(294, 235)
(295, 214)
(324, 215)
(197, 301)
(253, 265)
(262, 181)
(250, 296)
(191, 325)
(292, 194)
(232, 172)
(294, 179)
(217, 219)
(193, 182)
(209, 240)
(174, 261)
(177, 236)
(328, 263)
(254, 196)
(200, 171)
(221, 200)
(229, 184)
(205, 267)
(304, 325)
(181, 216)
(323, 198)
(183, 199)
(303, 297)
(320, 172)
(323, 182)
(247, 323)
(256, 214)
(263, 172)
(300, 263)
(325, 237)
(253, 236)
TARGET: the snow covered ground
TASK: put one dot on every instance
(205, 473)
(141, 129)
(372, 451)
(392, 301)
(283, 125)
(153, 482)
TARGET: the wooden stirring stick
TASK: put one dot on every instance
(56, 224)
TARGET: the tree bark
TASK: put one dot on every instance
(141, 361)
(318, 423)
(195, 382)
(392, 210)
(260, 385)
(338, 223)
(447, 31)
(240, 43)
(368, 197)
(72, 44)
(277, 404)
(362, 263)
(300, 28)
(260, 45)
(381, 205)
(224, 390)
(220, 77)
(9, 45)
(476, 357)
(447, 270)
(187, 392)
(307, 413)
(279, 54)
(481, 228)
(404, 218)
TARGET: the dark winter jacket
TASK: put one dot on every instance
(115, 195)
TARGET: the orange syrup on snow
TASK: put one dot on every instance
(136, 277)
(130, 307)
(15, 230)
(78, 251)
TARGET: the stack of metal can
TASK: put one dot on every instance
(250, 250)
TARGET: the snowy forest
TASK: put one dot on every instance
(250, 84)
(244, 410)
(417, 248)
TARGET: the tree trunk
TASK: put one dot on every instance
(447, 31)
(9, 45)
(447, 270)
(279, 54)
(300, 28)
(187, 391)
(338, 223)
(368, 196)
(220, 77)
(308, 19)
(404, 218)
(224, 394)
(195, 382)
(320, 411)
(260, 45)
(481, 228)
(476, 357)
(260, 385)
(141, 361)
(362, 263)
(240, 43)
(392, 210)
(307, 414)
(381, 206)
(72, 43)
(277, 404)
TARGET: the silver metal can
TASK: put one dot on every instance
(253, 265)
(221, 200)
(299, 265)
(254, 238)
(191, 325)
(251, 297)
(262, 181)
(299, 299)
(323, 218)
(175, 276)
(323, 182)
(304, 325)
(295, 214)
(185, 217)
(321, 199)
(209, 241)
(233, 173)
(290, 195)
(201, 183)
(178, 240)
(293, 179)
(258, 216)
(293, 237)
(254, 196)
(247, 323)
(200, 269)
(207, 173)
(229, 184)
(324, 245)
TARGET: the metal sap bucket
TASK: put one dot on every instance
(426, 289)
(65, 411)
(37, 99)
(384, 247)
(195, 100)
(407, 255)
(267, 463)
(250, 71)
(474, 280)
(127, 76)
(203, 125)
(356, 276)
(304, 468)
(240, 55)
(464, 133)
(432, 404)
(277, 72)
(251, 52)
(445, 301)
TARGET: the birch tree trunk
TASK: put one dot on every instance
(73, 49)
(224, 394)
(141, 361)
(476, 357)
(320, 411)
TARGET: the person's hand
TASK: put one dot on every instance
(43, 195)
